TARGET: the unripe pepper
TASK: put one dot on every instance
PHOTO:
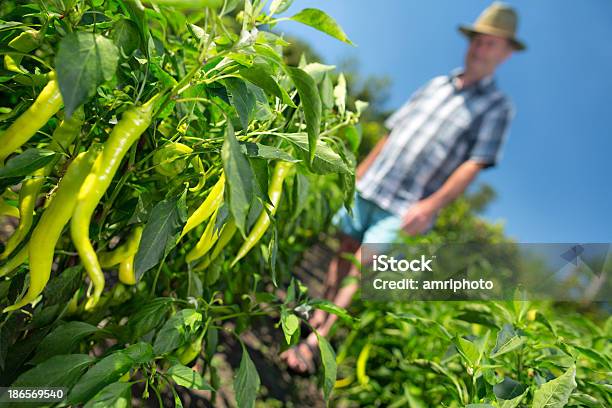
(124, 257)
(48, 102)
(132, 125)
(189, 352)
(63, 136)
(27, 201)
(207, 208)
(207, 240)
(275, 191)
(41, 246)
(7, 209)
(225, 236)
(14, 262)
(170, 159)
(130, 247)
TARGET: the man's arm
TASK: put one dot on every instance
(367, 162)
(418, 217)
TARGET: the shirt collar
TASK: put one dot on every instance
(482, 85)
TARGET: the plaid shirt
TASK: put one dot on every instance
(437, 130)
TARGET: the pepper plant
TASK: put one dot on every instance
(157, 154)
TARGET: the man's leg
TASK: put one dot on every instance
(338, 269)
(301, 358)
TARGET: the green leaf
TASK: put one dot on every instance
(62, 340)
(556, 393)
(104, 372)
(258, 75)
(174, 332)
(290, 323)
(61, 288)
(148, 317)
(543, 320)
(126, 36)
(58, 371)
(327, 92)
(509, 393)
(586, 400)
(278, 6)
(27, 163)
(160, 233)
(246, 383)
(262, 110)
(330, 307)
(140, 352)
(507, 340)
(261, 151)
(468, 350)
(240, 179)
(242, 99)
(191, 4)
(186, 377)
(325, 159)
(328, 359)
(428, 325)
(594, 355)
(317, 70)
(311, 103)
(84, 61)
(115, 395)
(301, 189)
(353, 137)
(319, 20)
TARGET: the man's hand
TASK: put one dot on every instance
(418, 217)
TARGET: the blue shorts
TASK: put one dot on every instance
(370, 224)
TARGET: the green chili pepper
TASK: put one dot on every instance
(207, 240)
(125, 133)
(41, 246)
(225, 236)
(44, 107)
(63, 136)
(124, 257)
(127, 274)
(170, 159)
(130, 247)
(275, 191)
(206, 209)
(27, 201)
(189, 352)
(67, 131)
(14, 262)
(7, 209)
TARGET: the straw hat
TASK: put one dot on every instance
(497, 19)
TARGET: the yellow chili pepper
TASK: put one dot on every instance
(206, 209)
(275, 191)
(125, 133)
(48, 230)
(48, 102)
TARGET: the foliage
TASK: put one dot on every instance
(224, 103)
(474, 354)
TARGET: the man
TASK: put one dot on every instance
(447, 132)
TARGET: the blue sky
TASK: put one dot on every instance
(553, 181)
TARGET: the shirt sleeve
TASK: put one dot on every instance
(491, 135)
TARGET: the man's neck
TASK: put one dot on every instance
(467, 79)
